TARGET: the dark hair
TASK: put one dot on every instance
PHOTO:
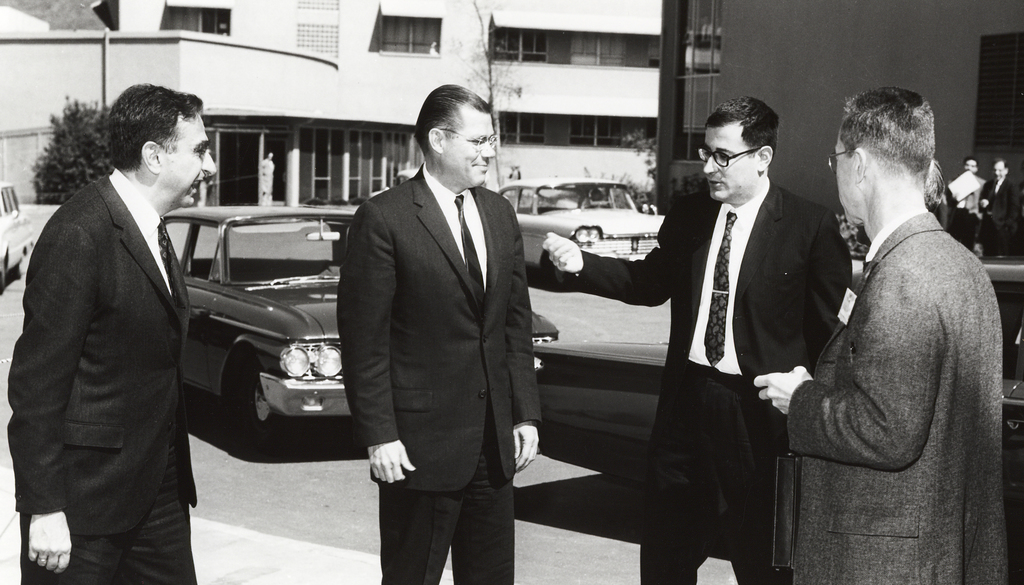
(895, 124)
(144, 113)
(441, 110)
(971, 157)
(998, 160)
(760, 123)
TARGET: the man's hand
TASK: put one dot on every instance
(49, 541)
(527, 441)
(779, 387)
(564, 254)
(387, 461)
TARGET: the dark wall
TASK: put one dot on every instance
(804, 57)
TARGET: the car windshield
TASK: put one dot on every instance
(285, 251)
(583, 196)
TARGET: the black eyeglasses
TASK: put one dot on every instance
(478, 143)
(833, 163)
(722, 159)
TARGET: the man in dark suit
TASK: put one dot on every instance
(1000, 203)
(435, 319)
(900, 428)
(98, 435)
(756, 276)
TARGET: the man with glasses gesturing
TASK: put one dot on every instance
(756, 276)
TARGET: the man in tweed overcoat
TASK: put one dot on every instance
(902, 472)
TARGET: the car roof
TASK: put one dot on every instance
(242, 212)
(6, 184)
(557, 181)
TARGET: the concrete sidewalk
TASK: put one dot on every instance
(226, 555)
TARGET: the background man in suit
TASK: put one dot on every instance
(98, 433)
(902, 471)
(756, 276)
(435, 319)
(1000, 203)
(964, 214)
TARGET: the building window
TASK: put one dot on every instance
(522, 128)
(513, 44)
(318, 4)
(598, 49)
(999, 120)
(595, 131)
(318, 38)
(403, 34)
(206, 20)
(654, 52)
(698, 57)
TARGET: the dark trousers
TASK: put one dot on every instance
(158, 551)
(711, 475)
(477, 523)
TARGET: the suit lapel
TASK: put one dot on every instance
(704, 228)
(432, 218)
(492, 259)
(134, 242)
(761, 236)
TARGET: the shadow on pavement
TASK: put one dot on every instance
(299, 441)
(598, 505)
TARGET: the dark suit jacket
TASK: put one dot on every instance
(795, 270)
(95, 383)
(1003, 205)
(902, 472)
(420, 356)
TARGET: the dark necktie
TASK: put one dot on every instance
(714, 336)
(174, 277)
(472, 260)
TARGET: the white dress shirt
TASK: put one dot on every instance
(741, 228)
(446, 199)
(145, 216)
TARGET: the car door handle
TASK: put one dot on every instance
(197, 313)
(1014, 424)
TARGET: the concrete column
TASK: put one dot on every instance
(291, 196)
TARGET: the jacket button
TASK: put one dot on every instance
(483, 394)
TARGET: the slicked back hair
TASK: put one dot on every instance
(442, 108)
(896, 125)
(759, 122)
(144, 113)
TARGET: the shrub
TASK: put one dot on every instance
(78, 154)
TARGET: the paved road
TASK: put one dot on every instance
(307, 514)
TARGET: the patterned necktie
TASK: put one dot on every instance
(714, 336)
(472, 260)
(174, 277)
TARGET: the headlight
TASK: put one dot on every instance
(328, 361)
(295, 361)
(587, 235)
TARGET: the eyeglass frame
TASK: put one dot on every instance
(477, 143)
(833, 159)
(714, 154)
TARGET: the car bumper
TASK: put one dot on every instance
(304, 397)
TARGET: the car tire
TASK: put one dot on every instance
(258, 426)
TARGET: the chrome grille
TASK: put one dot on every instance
(623, 246)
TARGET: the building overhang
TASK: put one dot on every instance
(221, 4)
(595, 23)
(413, 8)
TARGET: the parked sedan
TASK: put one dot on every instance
(16, 235)
(599, 215)
(598, 399)
(263, 332)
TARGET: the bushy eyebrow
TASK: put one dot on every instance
(202, 147)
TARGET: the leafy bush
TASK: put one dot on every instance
(78, 154)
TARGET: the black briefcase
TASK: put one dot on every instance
(787, 508)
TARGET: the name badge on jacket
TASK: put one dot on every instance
(847, 307)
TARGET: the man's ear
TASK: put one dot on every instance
(764, 158)
(437, 139)
(860, 165)
(152, 157)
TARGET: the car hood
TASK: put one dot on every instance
(648, 353)
(316, 304)
(612, 221)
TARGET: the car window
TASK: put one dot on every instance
(527, 201)
(510, 196)
(204, 263)
(178, 232)
(264, 252)
(12, 200)
(4, 206)
(557, 199)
